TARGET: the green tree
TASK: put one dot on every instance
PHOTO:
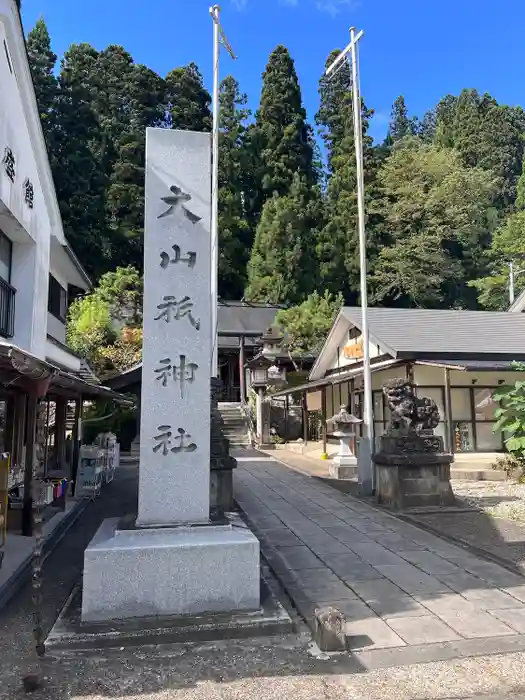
(282, 268)
(507, 246)
(75, 140)
(337, 242)
(187, 100)
(307, 325)
(42, 63)
(235, 233)
(439, 216)
(105, 326)
(401, 124)
(486, 135)
(285, 147)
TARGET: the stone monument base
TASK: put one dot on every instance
(413, 471)
(169, 571)
(343, 468)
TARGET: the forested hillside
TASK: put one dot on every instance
(445, 203)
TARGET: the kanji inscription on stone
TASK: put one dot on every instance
(165, 438)
(165, 260)
(175, 203)
(172, 309)
(183, 372)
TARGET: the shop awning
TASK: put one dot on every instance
(16, 363)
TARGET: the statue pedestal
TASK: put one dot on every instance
(413, 471)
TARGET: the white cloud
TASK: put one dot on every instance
(332, 7)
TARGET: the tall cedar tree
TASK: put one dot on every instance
(235, 234)
(282, 268)
(337, 247)
(281, 134)
(42, 63)
(187, 100)
(75, 141)
(401, 124)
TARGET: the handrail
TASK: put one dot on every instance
(247, 415)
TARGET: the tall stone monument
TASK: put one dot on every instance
(173, 560)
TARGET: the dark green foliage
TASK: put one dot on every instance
(235, 233)
(486, 135)
(445, 210)
(284, 144)
(42, 62)
(187, 100)
(401, 124)
(337, 245)
(282, 268)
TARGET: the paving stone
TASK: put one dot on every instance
(516, 592)
(445, 603)
(298, 558)
(366, 526)
(494, 574)
(347, 535)
(375, 554)
(422, 630)
(376, 590)
(340, 561)
(411, 579)
(513, 617)
(359, 573)
(399, 606)
(462, 581)
(328, 546)
(281, 538)
(476, 624)
(430, 563)
(397, 543)
(353, 609)
(489, 598)
(326, 520)
(371, 634)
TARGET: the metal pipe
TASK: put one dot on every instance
(368, 484)
(215, 11)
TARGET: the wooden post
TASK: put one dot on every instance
(27, 508)
(324, 418)
(448, 413)
(60, 432)
(76, 442)
(242, 375)
(305, 419)
(286, 409)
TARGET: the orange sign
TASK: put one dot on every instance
(354, 351)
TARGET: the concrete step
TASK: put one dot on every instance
(462, 472)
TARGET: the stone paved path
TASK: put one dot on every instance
(400, 587)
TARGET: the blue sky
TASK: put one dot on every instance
(420, 48)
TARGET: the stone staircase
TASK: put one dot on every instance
(235, 429)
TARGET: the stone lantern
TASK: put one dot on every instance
(345, 462)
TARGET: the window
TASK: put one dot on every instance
(57, 299)
(6, 255)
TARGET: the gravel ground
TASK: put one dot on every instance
(501, 499)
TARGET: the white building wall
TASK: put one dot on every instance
(31, 230)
